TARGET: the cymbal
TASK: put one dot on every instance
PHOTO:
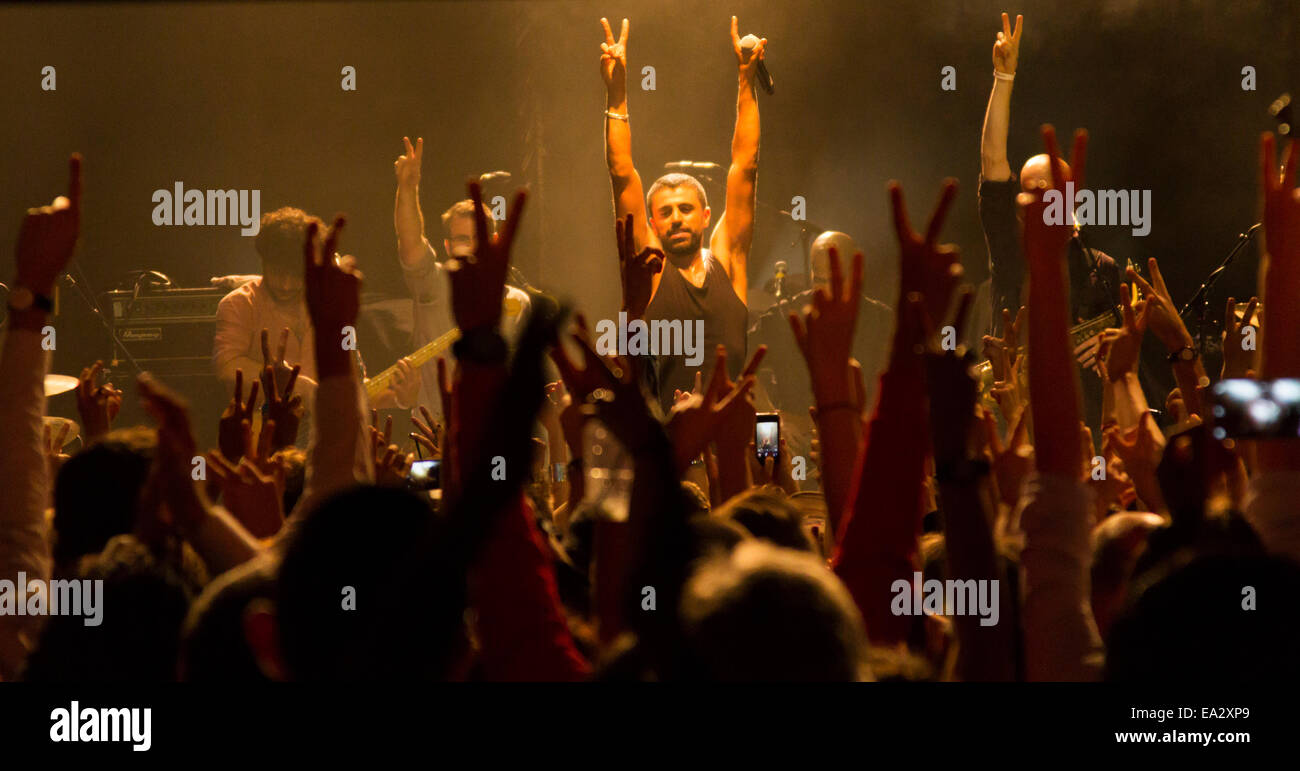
(56, 425)
(57, 384)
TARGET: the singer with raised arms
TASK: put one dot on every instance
(707, 283)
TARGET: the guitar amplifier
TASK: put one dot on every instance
(167, 331)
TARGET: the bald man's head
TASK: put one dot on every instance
(819, 257)
(1036, 173)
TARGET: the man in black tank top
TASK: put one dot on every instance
(712, 311)
(701, 288)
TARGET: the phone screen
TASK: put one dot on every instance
(767, 435)
(425, 475)
(1257, 409)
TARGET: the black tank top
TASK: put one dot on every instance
(725, 320)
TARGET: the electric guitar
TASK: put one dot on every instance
(426, 353)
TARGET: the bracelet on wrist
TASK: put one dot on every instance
(616, 116)
(1007, 76)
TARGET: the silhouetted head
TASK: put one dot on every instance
(761, 612)
(214, 646)
(362, 594)
(140, 611)
(97, 492)
(768, 515)
(1214, 618)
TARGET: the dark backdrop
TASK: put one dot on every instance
(247, 96)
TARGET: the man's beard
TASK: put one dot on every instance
(288, 298)
(688, 247)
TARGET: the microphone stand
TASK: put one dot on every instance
(1201, 300)
(87, 296)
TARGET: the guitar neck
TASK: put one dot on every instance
(1086, 330)
(423, 355)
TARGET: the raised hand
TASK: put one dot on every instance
(1006, 51)
(407, 166)
(825, 331)
(277, 363)
(170, 479)
(1238, 361)
(636, 269)
(613, 59)
(736, 427)
(609, 387)
(1141, 449)
(581, 383)
(48, 236)
(925, 267)
(1002, 352)
(1013, 460)
(1043, 240)
(478, 282)
(333, 291)
(695, 421)
(97, 405)
(252, 489)
(747, 60)
(1124, 346)
(283, 408)
(428, 434)
(390, 463)
(1161, 315)
(230, 436)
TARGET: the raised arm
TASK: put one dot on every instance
(732, 238)
(1167, 325)
(46, 242)
(1271, 504)
(1280, 278)
(1051, 361)
(408, 219)
(629, 196)
(878, 539)
(333, 299)
(966, 499)
(997, 118)
(1061, 640)
(824, 334)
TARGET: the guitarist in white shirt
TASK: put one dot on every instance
(425, 272)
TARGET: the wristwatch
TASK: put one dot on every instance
(1186, 353)
(481, 346)
(21, 298)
